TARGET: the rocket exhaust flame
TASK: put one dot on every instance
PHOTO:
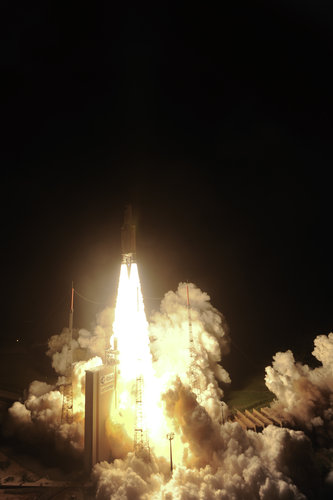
(135, 362)
(139, 390)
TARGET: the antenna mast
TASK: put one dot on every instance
(170, 437)
(193, 377)
(67, 388)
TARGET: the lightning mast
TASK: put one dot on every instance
(170, 437)
(193, 378)
(67, 390)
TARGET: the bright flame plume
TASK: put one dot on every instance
(131, 330)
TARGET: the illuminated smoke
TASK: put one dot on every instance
(303, 395)
(131, 478)
(169, 336)
(38, 419)
(169, 331)
(223, 462)
(211, 461)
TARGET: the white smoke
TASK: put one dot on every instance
(221, 462)
(245, 465)
(62, 347)
(224, 462)
(42, 406)
(170, 344)
(38, 420)
(37, 423)
(97, 341)
(217, 461)
(132, 478)
(59, 348)
(304, 396)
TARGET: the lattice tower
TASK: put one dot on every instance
(67, 403)
(67, 389)
(141, 441)
(194, 381)
(111, 359)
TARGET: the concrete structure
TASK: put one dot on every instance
(268, 412)
(244, 421)
(100, 391)
(257, 420)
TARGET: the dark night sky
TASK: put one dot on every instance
(216, 124)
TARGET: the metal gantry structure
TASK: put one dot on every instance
(111, 359)
(67, 388)
(138, 431)
(194, 382)
(141, 439)
(67, 402)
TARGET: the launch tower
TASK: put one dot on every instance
(141, 441)
(111, 360)
(67, 388)
(193, 376)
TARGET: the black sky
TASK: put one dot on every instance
(215, 123)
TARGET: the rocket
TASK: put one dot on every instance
(128, 238)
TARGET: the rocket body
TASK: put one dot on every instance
(128, 238)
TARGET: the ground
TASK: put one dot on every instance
(253, 394)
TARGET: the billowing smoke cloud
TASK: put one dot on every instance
(59, 348)
(221, 462)
(233, 463)
(38, 421)
(217, 461)
(97, 341)
(211, 461)
(132, 478)
(304, 396)
(170, 345)
(37, 424)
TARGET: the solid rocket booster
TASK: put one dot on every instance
(128, 237)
